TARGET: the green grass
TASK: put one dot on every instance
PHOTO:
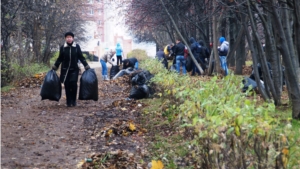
(249, 62)
(6, 88)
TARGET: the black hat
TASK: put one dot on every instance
(69, 33)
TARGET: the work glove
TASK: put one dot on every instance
(87, 67)
(54, 67)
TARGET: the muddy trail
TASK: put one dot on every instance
(47, 134)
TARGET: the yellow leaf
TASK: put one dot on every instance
(124, 133)
(285, 151)
(131, 126)
(108, 133)
(157, 164)
(284, 139)
(79, 165)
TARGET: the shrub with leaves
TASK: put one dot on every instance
(19, 72)
(139, 54)
(229, 129)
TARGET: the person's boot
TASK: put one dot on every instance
(106, 77)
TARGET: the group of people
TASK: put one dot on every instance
(179, 54)
(70, 54)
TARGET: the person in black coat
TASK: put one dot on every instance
(131, 62)
(196, 50)
(160, 55)
(69, 54)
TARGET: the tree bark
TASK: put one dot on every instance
(217, 65)
(291, 75)
(240, 58)
(254, 56)
(275, 83)
(297, 34)
(233, 34)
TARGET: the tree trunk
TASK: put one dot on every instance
(20, 57)
(291, 75)
(297, 34)
(217, 65)
(276, 82)
(254, 55)
(240, 56)
(36, 44)
(233, 33)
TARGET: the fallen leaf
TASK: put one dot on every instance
(157, 164)
(108, 133)
(79, 165)
(131, 126)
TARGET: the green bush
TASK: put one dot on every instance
(223, 127)
(19, 72)
(6, 77)
(139, 54)
(54, 58)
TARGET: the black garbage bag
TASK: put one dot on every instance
(189, 64)
(248, 82)
(141, 78)
(139, 92)
(113, 71)
(51, 88)
(123, 72)
(88, 86)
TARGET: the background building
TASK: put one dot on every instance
(102, 30)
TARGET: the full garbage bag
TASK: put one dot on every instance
(114, 70)
(124, 72)
(248, 82)
(88, 86)
(189, 64)
(51, 88)
(141, 78)
(139, 92)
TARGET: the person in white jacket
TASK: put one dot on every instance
(103, 60)
(223, 51)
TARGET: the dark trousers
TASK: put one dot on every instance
(119, 60)
(71, 86)
(71, 92)
(195, 69)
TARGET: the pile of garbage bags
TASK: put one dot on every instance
(140, 81)
(141, 85)
(250, 81)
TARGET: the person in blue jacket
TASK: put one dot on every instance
(223, 51)
(119, 54)
(131, 62)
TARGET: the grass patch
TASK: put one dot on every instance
(249, 62)
(6, 88)
(19, 72)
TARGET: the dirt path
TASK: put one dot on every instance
(47, 134)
